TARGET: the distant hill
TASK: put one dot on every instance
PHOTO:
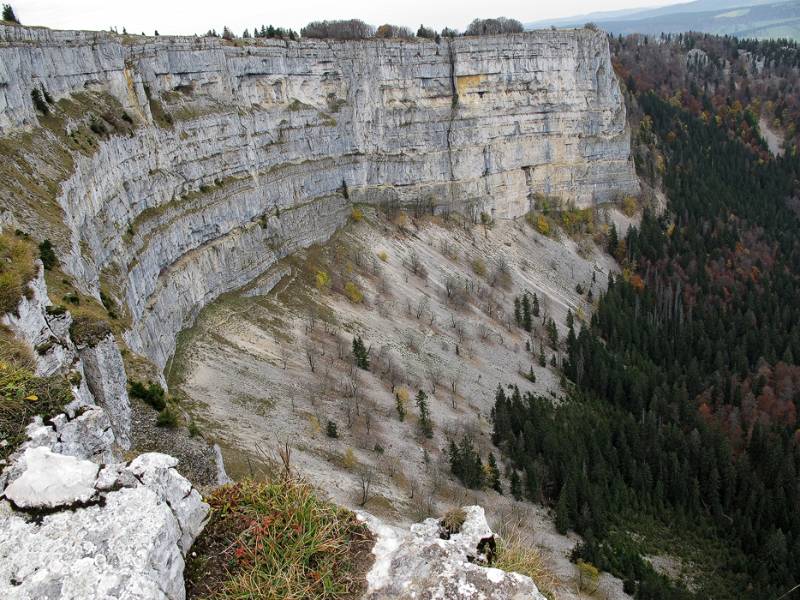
(744, 18)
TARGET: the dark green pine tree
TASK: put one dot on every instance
(542, 358)
(516, 485)
(360, 353)
(552, 333)
(425, 425)
(526, 313)
(494, 474)
(563, 520)
(8, 14)
(613, 240)
(532, 488)
(517, 311)
(535, 305)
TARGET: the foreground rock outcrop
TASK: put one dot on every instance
(428, 562)
(72, 529)
(213, 159)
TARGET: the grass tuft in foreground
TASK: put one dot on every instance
(23, 396)
(514, 554)
(278, 540)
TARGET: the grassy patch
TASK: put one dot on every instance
(278, 540)
(16, 270)
(23, 396)
(513, 554)
(86, 331)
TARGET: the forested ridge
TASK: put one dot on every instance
(681, 422)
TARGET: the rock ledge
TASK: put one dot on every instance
(128, 542)
(420, 563)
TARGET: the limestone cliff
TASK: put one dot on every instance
(173, 169)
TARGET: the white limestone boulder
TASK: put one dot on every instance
(129, 543)
(421, 563)
(51, 480)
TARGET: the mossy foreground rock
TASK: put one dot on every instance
(430, 562)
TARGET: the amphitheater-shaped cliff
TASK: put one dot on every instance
(170, 170)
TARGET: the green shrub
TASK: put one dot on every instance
(167, 418)
(16, 270)
(331, 430)
(87, 331)
(72, 298)
(22, 396)
(39, 101)
(152, 394)
(47, 255)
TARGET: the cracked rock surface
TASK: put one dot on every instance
(120, 531)
(421, 564)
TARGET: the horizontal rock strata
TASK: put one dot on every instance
(239, 153)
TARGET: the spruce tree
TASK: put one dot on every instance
(360, 353)
(526, 313)
(535, 305)
(552, 333)
(8, 14)
(495, 474)
(613, 240)
(563, 521)
(516, 485)
(425, 425)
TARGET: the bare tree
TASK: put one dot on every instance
(450, 285)
(311, 356)
(433, 371)
(283, 353)
(423, 306)
(411, 341)
(460, 330)
(492, 305)
(415, 265)
(365, 475)
(392, 371)
(352, 29)
(455, 379)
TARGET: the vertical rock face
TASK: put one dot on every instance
(99, 376)
(241, 153)
(105, 374)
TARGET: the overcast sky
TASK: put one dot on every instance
(185, 17)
